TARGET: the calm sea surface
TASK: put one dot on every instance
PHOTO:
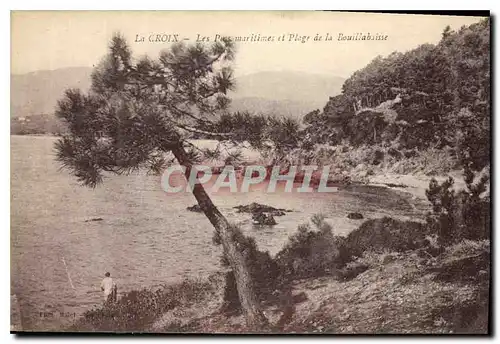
(146, 237)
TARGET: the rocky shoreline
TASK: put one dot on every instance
(414, 184)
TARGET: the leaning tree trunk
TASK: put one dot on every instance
(246, 292)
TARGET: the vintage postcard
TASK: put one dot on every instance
(250, 172)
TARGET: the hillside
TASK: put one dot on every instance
(286, 108)
(293, 86)
(285, 93)
(37, 92)
(442, 93)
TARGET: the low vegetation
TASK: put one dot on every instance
(387, 276)
(138, 309)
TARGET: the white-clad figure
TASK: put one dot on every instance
(109, 288)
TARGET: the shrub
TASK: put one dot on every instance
(459, 215)
(378, 157)
(386, 234)
(352, 269)
(466, 248)
(312, 253)
(308, 253)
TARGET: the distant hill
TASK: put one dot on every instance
(292, 94)
(287, 108)
(289, 85)
(285, 93)
(37, 92)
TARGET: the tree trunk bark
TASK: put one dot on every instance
(249, 302)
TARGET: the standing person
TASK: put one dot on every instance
(107, 286)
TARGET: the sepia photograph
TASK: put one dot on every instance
(250, 172)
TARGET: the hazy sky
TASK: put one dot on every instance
(51, 40)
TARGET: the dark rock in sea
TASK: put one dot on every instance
(262, 214)
(392, 185)
(256, 208)
(94, 219)
(195, 208)
(355, 216)
(263, 219)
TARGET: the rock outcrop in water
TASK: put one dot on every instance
(95, 219)
(256, 208)
(263, 219)
(262, 214)
(195, 208)
(355, 216)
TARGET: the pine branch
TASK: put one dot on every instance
(204, 132)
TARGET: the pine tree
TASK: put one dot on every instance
(138, 111)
